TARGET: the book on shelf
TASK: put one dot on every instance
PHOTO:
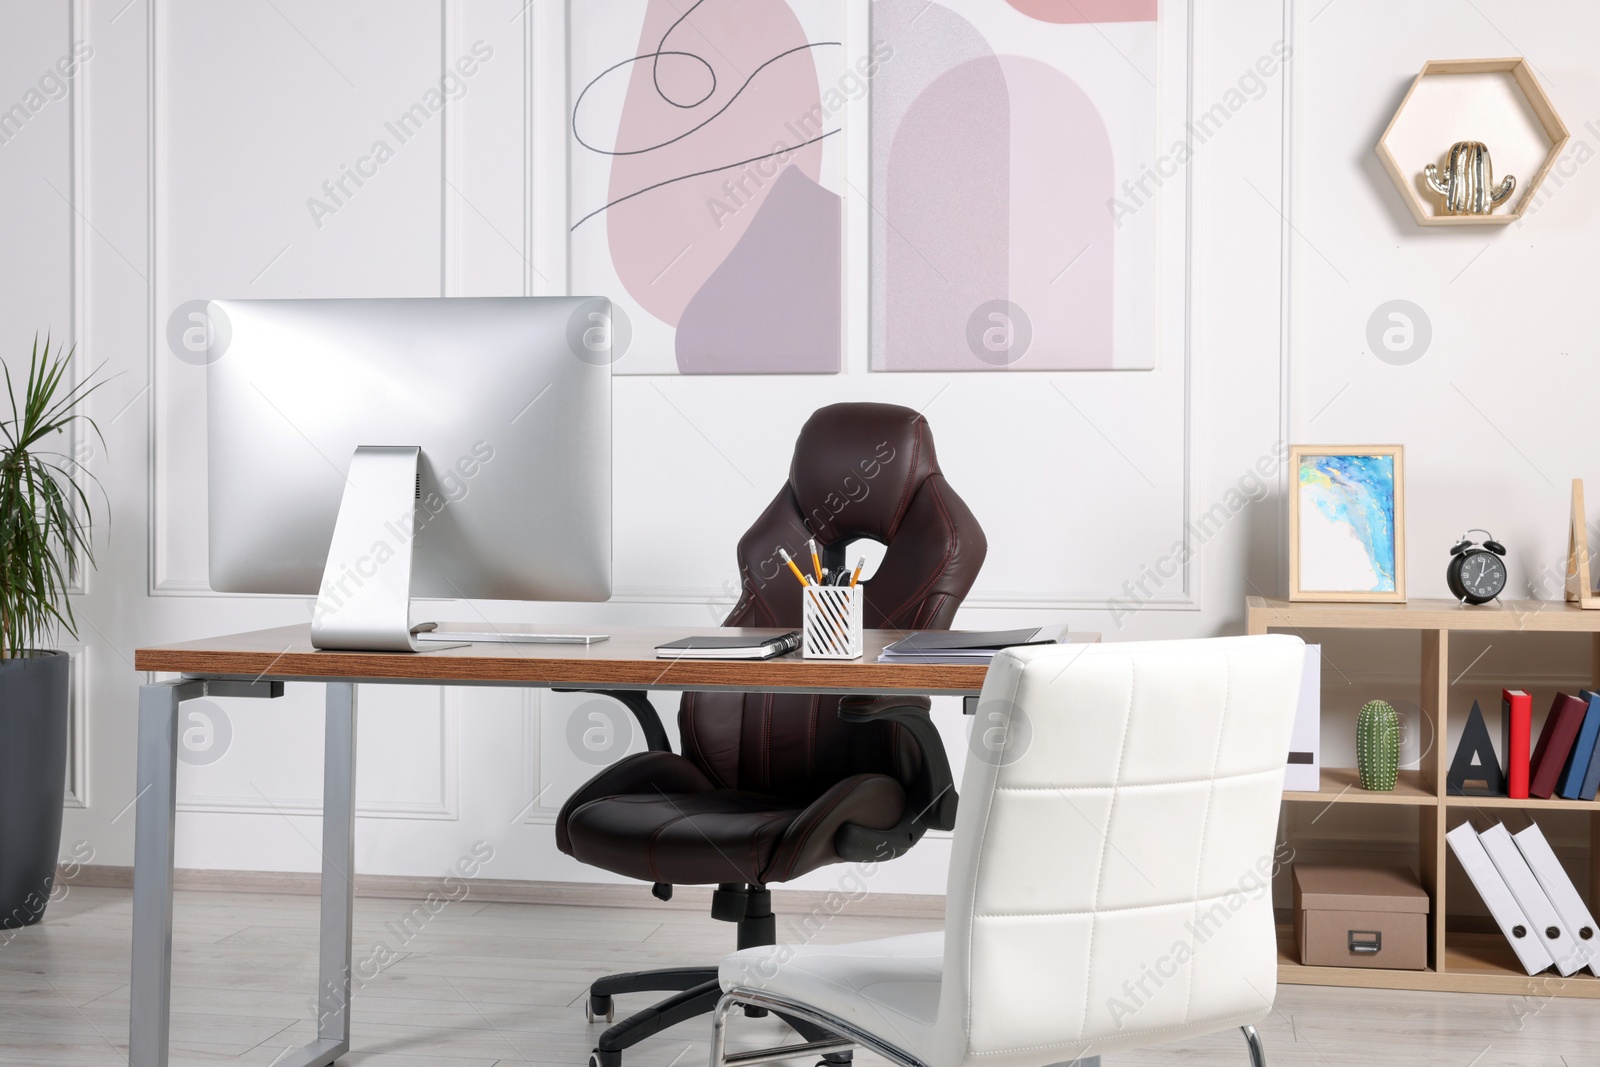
(1516, 735)
(1591, 779)
(1555, 744)
(1475, 860)
(1564, 896)
(1546, 922)
(1576, 769)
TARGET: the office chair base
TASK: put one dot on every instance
(686, 1004)
(836, 1036)
(825, 1033)
(750, 907)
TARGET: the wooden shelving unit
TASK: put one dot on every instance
(1458, 961)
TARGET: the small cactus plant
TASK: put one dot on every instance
(1378, 746)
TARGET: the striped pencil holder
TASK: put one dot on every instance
(831, 621)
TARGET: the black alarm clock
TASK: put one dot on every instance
(1476, 574)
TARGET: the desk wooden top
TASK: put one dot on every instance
(626, 661)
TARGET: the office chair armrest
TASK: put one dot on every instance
(644, 712)
(931, 800)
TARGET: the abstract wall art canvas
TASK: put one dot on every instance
(1023, 154)
(705, 180)
(1347, 523)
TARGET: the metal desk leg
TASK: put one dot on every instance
(338, 866)
(338, 887)
(150, 995)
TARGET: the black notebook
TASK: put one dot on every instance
(965, 646)
(720, 647)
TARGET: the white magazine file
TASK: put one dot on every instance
(1304, 772)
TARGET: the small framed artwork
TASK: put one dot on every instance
(1347, 523)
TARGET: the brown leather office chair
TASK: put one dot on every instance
(771, 786)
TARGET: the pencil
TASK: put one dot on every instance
(816, 561)
(854, 578)
(797, 573)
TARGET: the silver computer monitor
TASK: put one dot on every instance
(322, 413)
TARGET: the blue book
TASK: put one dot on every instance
(1577, 768)
(1591, 780)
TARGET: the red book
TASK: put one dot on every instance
(1516, 731)
(1555, 744)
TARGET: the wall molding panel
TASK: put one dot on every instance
(444, 805)
(77, 792)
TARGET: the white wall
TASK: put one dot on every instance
(201, 129)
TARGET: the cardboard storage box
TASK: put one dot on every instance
(1360, 917)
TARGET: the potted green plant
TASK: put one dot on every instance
(45, 525)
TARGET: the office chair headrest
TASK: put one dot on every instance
(856, 468)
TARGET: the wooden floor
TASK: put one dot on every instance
(482, 985)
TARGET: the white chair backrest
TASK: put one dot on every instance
(1114, 851)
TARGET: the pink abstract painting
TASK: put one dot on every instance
(704, 194)
(1086, 11)
(998, 134)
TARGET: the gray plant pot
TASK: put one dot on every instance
(34, 692)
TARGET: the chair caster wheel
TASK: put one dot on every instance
(594, 1008)
(601, 1058)
(755, 1013)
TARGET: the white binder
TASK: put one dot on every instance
(1542, 916)
(1502, 905)
(1562, 893)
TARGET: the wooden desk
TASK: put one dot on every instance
(257, 664)
(626, 661)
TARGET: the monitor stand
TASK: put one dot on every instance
(365, 601)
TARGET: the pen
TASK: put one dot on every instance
(856, 577)
(797, 573)
(816, 562)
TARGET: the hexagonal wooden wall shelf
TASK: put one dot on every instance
(1496, 103)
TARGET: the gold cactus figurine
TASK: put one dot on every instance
(1468, 182)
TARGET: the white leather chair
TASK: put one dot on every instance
(1110, 885)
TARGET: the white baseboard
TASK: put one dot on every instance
(510, 891)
